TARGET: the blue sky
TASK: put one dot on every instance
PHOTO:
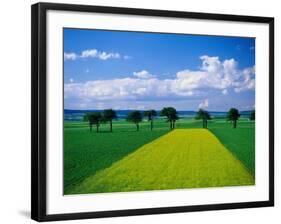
(136, 70)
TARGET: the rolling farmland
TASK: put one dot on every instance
(158, 159)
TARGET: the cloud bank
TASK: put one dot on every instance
(213, 75)
(93, 53)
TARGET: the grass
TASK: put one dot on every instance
(240, 141)
(87, 154)
(183, 158)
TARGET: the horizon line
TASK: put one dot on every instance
(156, 110)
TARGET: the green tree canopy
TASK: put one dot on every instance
(171, 114)
(233, 115)
(253, 115)
(204, 116)
(108, 116)
(135, 117)
(94, 118)
(150, 114)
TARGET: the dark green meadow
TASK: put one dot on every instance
(240, 141)
(86, 153)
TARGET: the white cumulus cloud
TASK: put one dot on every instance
(70, 56)
(143, 74)
(218, 75)
(247, 82)
(213, 75)
(93, 53)
(89, 53)
(204, 104)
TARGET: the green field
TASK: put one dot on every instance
(127, 160)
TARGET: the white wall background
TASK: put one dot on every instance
(15, 110)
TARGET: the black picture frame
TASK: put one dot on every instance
(38, 108)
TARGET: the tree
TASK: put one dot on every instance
(135, 117)
(93, 118)
(108, 116)
(171, 114)
(253, 115)
(204, 115)
(86, 119)
(150, 114)
(233, 115)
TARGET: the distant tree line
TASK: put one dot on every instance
(171, 114)
(96, 118)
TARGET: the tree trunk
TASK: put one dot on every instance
(137, 127)
(97, 128)
(91, 127)
(206, 123)
(110, 126)
(234, 123)
(151, 124)
(174, 124)
(203, 123)
(171, 125)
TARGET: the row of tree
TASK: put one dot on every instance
(96, 118)
(171, 114)
(232, 115)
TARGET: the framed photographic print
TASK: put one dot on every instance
(139, 111)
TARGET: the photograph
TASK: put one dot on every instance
(140, 111)
(148, 111)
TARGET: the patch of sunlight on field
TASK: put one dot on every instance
(183, 158)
